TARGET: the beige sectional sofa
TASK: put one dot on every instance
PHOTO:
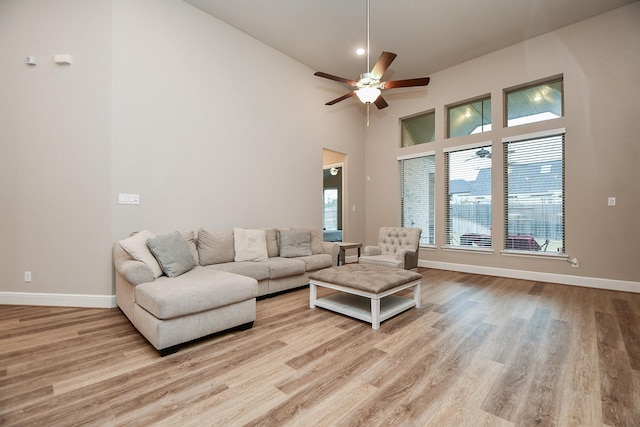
(178, 287)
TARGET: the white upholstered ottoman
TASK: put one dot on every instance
(366, 291)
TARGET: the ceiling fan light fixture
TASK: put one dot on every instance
(367, 95)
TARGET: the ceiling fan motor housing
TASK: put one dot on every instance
(367, 79)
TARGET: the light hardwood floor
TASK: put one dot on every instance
(481, 351)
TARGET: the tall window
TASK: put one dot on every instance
(418, 129)
(534, 103)
(417, 190)
(534, 193)
(471, 117)
(468, 186)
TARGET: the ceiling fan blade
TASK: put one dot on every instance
(342, 98)
(422, 81)
(336, 78)
(380, 103)
(385, 59)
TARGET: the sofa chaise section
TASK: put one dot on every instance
(176, 288)
(169, 311)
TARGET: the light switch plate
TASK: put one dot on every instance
(128, 199)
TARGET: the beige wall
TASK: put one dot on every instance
(214, 129)
(209, 126)
(55, 147)
(600, 63)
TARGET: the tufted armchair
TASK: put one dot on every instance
(397, 247)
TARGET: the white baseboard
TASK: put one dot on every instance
(563, 279)
(59, 300)
(109, 301)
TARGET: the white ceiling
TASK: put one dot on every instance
(428, 36)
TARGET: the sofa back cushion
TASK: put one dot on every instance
(191, 241)
(215, 247)
(272, 242)
(294, 243)
(250, 244)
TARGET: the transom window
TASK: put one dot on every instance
(418, 129)
(534, 103)
(469, 118)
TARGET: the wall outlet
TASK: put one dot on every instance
(575, 263)
(27, 277)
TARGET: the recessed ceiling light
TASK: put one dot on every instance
(360, 51)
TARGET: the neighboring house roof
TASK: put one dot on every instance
(524, 179)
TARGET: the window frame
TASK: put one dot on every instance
(431, 231)
(470, 101)
(506, 92)
(447, 199)
(431, 113)
(562, 253)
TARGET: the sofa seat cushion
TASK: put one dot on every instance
(285, 267)
(317, 262)
(253, 269)
(388, 260)
(196, 291)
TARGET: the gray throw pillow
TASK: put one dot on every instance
(173, 253)
(294, 243)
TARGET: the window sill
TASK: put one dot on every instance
(428, 247)
(468, 249)
(530, 254)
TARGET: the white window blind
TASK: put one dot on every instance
(417, 191)
(468, 187)
(534, 194)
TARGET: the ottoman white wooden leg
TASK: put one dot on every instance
(313, 295)
(375, 313)
(416, 295)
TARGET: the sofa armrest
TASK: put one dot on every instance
(371, 250)
(332, 249)
(135, 272)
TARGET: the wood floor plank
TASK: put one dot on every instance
(509, 391)
(616, 375)
(467, 393)
(440, 381)
(581, 400)
(629, 324)
(315, 392)
(481, 351)
(502, 346)
(401, 388)
(544, 398)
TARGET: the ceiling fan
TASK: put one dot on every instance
(482, 153)
(369, 88)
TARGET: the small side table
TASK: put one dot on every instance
(343, 249)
